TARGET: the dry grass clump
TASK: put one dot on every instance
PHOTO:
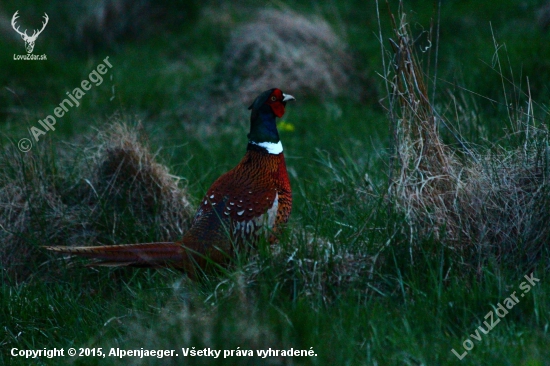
(287, 49)
(504, 203)
(48, 199)
(301, 55)
(313, 267)
(426, 173)
(278, 49)
(489, 204)
(325, 269)
(126, 179)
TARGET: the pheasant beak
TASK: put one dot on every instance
(288, 97)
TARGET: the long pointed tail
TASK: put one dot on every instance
(161, 254)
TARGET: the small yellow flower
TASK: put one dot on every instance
(285, 126)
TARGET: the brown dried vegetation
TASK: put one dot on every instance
(484, 205)
(118, 192)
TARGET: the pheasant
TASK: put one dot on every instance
(252, 199)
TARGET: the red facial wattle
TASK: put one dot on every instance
(278, 108)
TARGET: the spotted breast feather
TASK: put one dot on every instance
(255, 195)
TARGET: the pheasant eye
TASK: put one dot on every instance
(273, 98)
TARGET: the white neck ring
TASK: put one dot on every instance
(271, 147)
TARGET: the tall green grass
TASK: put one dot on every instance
(347, 278)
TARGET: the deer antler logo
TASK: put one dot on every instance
(29, 40)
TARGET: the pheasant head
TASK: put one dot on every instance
(263, 128)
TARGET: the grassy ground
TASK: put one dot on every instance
(349, 279)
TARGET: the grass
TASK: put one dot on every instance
(350, 278)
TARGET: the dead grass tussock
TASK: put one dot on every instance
(503, 206)
(327, 268)
(127, 174)
(287, 49)
(426, 171)
(281, 48)
(49, 200)
(313, 267)
(491, 202)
